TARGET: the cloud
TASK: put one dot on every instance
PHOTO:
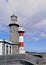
(41, 24)
(28, 8)
(34, 39)
(31, 14)
(43, 35)
(25, 7)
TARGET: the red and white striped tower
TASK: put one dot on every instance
(21, 40)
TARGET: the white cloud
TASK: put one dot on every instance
(3, 28)
(21, 21)
(43, 35)
(35, 39)
(24, 9)
(41, 24)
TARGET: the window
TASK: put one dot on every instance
(6, 50)
(10, 49)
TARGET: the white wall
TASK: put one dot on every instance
(3, 44)
(1, 48)
(8, 49)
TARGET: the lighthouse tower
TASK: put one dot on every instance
(21, 40)
(14, 33)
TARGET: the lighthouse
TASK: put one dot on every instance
(14, 33)
(21, 40)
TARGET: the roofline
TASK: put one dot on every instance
(5, 41)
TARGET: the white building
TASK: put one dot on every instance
(5, 47)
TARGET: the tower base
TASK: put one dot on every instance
(15, 49)
(21, 50)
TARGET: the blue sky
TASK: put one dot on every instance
(32, 16)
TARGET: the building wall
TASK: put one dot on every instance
(8, 49)
(1, 48)
(5, 47)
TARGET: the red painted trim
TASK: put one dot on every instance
(21, 34)
(21, 44)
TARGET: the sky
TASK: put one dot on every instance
(32, 16)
